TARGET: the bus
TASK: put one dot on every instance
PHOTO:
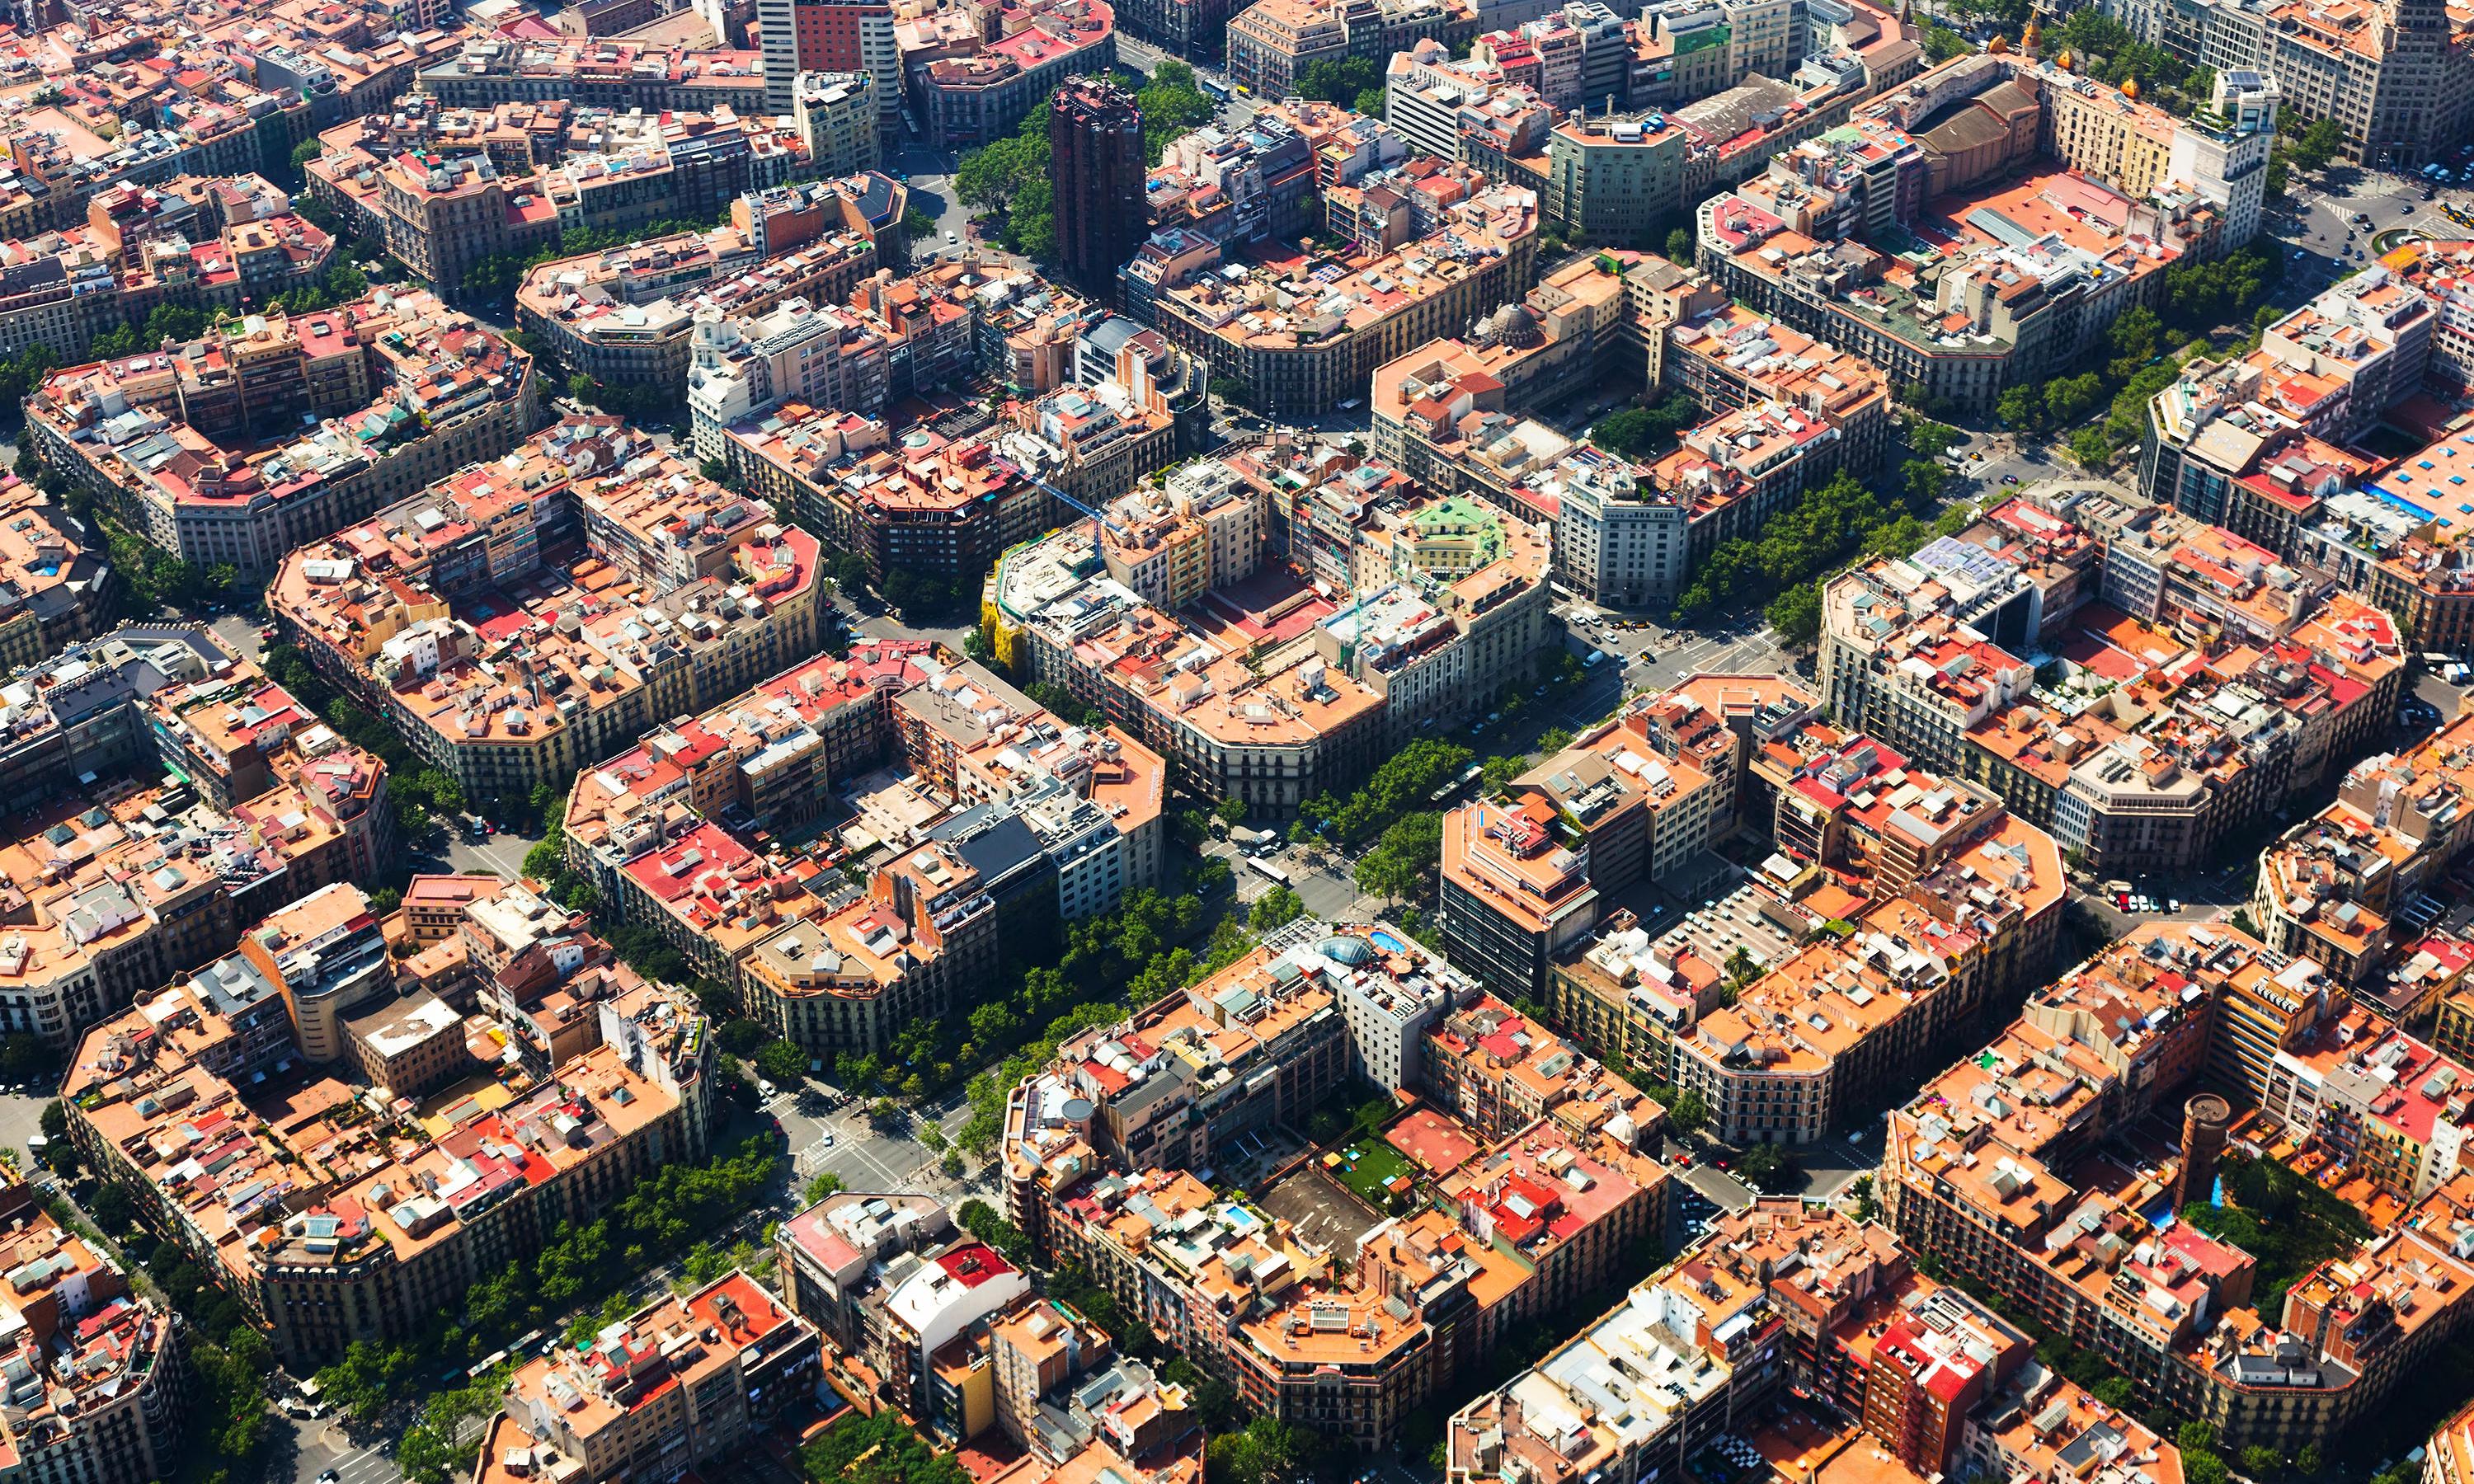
(1265, 867)
(1210, 89)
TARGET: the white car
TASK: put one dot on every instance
(949, 235)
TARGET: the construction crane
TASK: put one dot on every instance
(1061, 497)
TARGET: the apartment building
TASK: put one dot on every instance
(127, 884)
(97, 1367)
(395, 391)
(2254, 444)
(1516, 892)
(1931, 1379)
(1272, 40)
(500, 67)
(2005, 1149)
(1047, 822)
(1440, 416)
(841, 119)
(697, 594)
(1445, 243)
(1436, 607)
(624, 316)
(972, 87)
(2389, 74)
(2348, 887)
(54, 587)
(836, 36)
(1500, 1073)
(1909, 650)
(1099, 1143)
(1895, 904)
(2017, 305)
(189, 241)
(688, 1379)
(360, 1229)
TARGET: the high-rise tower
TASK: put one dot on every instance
(1095, 140)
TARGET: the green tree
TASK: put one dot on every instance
(1008, 179)
(781, 1063)
(23, 1059)
(2262, 1462)
(1941, 43)
(1275, 908)
(1930, 440)
(878, 1450)
(1336, 81)
(1382, 874)
(1553, 740)
(2019, 408)
(823, 1188)
(1925, 481)
(1678, 246)
(1796, 614)
(1266, 1450)
(1170, 106)
(1687, 1113)
(2133, 338)
(1639, 432)
(2318, 145)
(1767, 1167)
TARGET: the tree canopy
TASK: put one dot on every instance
(1009, 180)
(1338, 80)
(1171, 104)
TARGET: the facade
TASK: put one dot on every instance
(972, 89)
(1516, 892)
(624, 316)
(1036, 822)
(701, 594)
(829, 35)
(390, 1223)
(1791, 243)
(1984, 1162)
(1095, 147)
(691, 1377)
(127, 884)
(1445, 607)
(396, 390)
(1449, 241)
(1272, 40)
(840, 117)
(117, 1406)
(1545, 1195)
(2387, 74)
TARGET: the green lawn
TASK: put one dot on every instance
(1377, 1162)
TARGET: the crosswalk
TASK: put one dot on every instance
(366, 1466)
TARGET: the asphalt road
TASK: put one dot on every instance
(320, 1446)
(2315, 223)
(1143, 58)
(21, 1117)
(880, 1159)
